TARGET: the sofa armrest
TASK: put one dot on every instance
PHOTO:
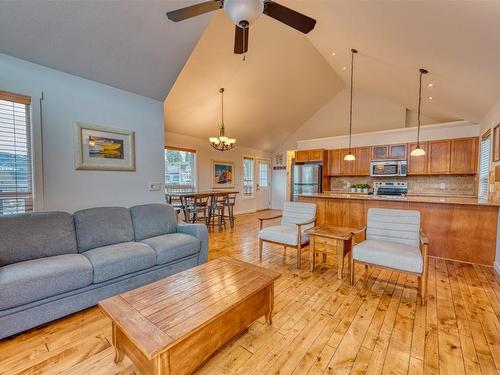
(199, 231)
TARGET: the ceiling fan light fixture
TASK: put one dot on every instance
(243, 12)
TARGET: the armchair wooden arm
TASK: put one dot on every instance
(299, 231)
(424, 240)
(359, 235)
(262, 219)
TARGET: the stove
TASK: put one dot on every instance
(390, 188)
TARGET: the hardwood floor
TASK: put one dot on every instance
(320, 324)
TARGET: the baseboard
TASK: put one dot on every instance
(496, 266)
(245, 212)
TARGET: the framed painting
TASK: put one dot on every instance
(222, 174)
(496, 143)
(103, 149)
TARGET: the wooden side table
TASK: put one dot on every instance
(328, 239)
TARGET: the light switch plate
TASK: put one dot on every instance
(154, 186)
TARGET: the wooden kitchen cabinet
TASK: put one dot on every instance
(417, 165)
(397, 151)
(362, 163)
(347, 167)
(439, 155)
(380, 152)
(334, 162)
(463, 157)
(304, 156)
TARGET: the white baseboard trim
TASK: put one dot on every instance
(496, 266)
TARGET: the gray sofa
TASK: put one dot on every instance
(53, 264)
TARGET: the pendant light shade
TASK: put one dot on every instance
(222, 143)
(350, 156)
(418, 151)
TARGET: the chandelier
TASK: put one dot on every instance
(222, 143)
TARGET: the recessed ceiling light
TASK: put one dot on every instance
(343, 68)
(333, 53)
(430, 97)
(430, 85)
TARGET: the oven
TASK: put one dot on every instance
(388, 168)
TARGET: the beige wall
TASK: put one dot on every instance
(205, 154)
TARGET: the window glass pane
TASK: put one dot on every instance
(484, 168)
(180, 172)
(263, 172)
(15, 158)
(248, 176)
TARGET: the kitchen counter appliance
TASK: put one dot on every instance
(388, 168)
(390, 188)
(306, 178)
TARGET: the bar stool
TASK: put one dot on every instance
(217, 208)
(230, 202)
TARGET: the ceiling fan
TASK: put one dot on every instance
(243, 13)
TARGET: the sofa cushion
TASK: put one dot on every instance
(120, 259)
(389, 254)
(284, 233)
(33, 280)
(173, 246)
(36, 235)
(102, 226)
(151, 220)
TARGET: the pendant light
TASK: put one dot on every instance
(419, 151)
(222, 143)
(350, 156)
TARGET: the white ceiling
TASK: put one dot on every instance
(126, 44)
(457, 41)
(281, 84)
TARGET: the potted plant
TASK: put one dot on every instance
(365, 188)
(353, 188)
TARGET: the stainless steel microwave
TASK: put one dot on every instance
(388, 168)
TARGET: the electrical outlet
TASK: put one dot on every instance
(154, 186)
(442, 185)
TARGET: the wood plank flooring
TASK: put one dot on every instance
(321, 325)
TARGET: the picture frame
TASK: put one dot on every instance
(103, 148)
(222, 174)
(496, 143)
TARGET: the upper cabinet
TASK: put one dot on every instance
(464, 155)
(438, 157)
(304, 156)
(389, 152)
(346, 166)
(362, 162)
(417, 165)
(334, 162)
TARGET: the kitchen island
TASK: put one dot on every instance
(459, 228)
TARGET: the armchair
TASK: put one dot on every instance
(394, 241)
(295, 220)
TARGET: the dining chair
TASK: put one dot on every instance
(394, 240)
(196, 207)
(296, 218)
(230, 203)
(216, 215)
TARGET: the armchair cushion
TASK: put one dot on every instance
(284, 233)
(401, 226)
(389, 254)
(298, 212)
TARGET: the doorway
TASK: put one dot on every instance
(263, 191)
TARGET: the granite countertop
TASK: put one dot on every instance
(409, 198)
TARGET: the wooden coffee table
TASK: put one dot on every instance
(173, 325)
(329, 239)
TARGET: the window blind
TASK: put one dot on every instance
(484, 167)
(16, 193)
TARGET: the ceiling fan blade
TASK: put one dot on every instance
(194, 10)
(289, 17)
(241, 40)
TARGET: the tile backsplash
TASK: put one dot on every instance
(425, 185)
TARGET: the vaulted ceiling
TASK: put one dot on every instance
(126, 44)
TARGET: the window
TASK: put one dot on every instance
(484, 166)
(248, 176)
(16, 195)
(180, 170)
(263, 174)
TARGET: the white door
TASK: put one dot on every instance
(263, 175)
